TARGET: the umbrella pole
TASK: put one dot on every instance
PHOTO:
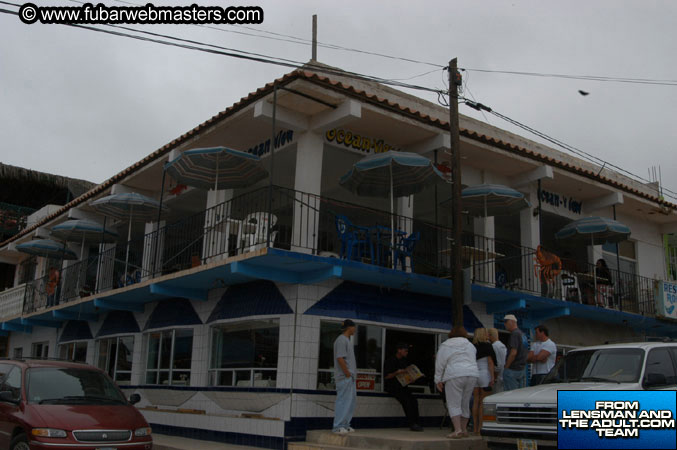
(129, 236)
(82, 253)
(101, 251)
(392, 219)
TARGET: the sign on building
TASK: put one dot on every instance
(666, 299)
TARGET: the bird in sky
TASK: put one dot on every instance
(583, 93)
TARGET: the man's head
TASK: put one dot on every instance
(402, 350)
(493, 335)
(510, 322)
(542, 333)
(348, 327)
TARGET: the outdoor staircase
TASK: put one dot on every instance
(387, 439)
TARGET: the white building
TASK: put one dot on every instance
(228, 339)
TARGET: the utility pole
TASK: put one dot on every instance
(455, 160)
(314, 58)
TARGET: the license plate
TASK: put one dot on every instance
(527, 444)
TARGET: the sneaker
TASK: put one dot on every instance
(341, 431)
(416, 427)
(350, 429)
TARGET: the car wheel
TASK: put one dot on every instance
(19, 443)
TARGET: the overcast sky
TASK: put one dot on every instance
(86, 105)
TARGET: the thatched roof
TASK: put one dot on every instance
(33, 189)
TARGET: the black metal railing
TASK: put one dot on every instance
(310, 223)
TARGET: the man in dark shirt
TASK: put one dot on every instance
(516, 358)
(392, 367)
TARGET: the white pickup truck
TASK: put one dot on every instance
(527, 418)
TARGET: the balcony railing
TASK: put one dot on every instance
(11, 301)
(309, 223)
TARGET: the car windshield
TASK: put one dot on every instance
(68, 386)
(614, 365)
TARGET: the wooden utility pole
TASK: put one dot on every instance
(455, 157)
(314, 58)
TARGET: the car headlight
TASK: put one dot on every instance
(140, 432)
(489, 412)
(48, 432)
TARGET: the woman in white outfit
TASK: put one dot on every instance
(456, 373)
(486, 362)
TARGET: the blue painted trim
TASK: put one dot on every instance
(104, 303)
(507, 305)
(41, 323)
(9, 326)
(275, 273)
(71, 315)
(263, 390)
(4, 333)
(178, 291)
(540, 316)
(317, 276)
(225, 437)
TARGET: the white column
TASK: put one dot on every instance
(530, 237)
(217, 227)
(308, 183)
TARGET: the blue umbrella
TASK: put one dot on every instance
(216, 167)
(596, 231)
(391, 174)
(128, 205)
(47, 248)
(493, 200)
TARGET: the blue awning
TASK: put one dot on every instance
(75, 330)
(364, 302)
(118, 322)
(256, 298)
(171, 313)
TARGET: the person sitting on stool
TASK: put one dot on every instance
(392, 367)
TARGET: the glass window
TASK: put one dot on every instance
(71, 386)
(659, 364)
(616, 364)
(12, 383)
(74, 351)
(250, 346)
(115, 358)
(4, 370)
(40, 350)
(329, 331)
(18, 353)
(169, 357)
(368, 355)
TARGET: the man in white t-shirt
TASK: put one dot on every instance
(501, 352)
(542, 355)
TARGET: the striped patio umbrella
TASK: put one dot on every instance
(46, 248)
(128, 206)
(596, 231)
(492, 200)
(391, 174)
(216, 167)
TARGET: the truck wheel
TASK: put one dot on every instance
(19, 443)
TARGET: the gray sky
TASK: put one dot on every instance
(86, 105)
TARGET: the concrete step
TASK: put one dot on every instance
(166, 442)
(387, 439)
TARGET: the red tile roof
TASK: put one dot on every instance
(350, 91)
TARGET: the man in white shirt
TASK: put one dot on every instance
(542, 355)
(501, 351)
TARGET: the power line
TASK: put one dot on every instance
(581, 77)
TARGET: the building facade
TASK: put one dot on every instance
(225, 326)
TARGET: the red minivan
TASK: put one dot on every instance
(57, 404)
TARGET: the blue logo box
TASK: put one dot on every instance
(616, 419)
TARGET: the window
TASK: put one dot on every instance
(4, 370)
(12, 383)
(329, 331)
(18, 353)
(245, 354)
(660, 368)
(169, 357)
(115, 358)
(369, 356)
(40, 350)
(74, 351)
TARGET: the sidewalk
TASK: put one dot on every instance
(166, 442)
